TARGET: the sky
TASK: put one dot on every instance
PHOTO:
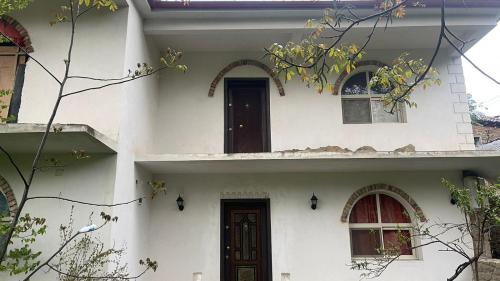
(486, 55)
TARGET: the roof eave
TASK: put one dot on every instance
(297, 5)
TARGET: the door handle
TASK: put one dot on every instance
(228, 248)
(241, 126)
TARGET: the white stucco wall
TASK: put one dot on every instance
(188, 121)
(98, 52)
(184, 119)
(310, 245)
(136, 134)
(88, 180)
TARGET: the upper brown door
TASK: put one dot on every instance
(246, 252)
(8, 64)
(247, 118)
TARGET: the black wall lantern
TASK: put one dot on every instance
(314, 202)
(180, 203)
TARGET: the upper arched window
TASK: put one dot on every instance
(362, 104)
(380, 224)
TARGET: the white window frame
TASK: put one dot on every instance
(400, 111)
(381, 227)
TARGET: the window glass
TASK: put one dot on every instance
(356, 111)
(380, 114)
(395, 241)
(392, 211)
(379, 223)
(356, 85)
(362, 104)
(365, 210)
(365, 242)
(377, 89)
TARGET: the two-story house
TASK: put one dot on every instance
(245, 151)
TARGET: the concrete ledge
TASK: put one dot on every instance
(486, 163)
(24, 138)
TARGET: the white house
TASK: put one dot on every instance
(231, 140)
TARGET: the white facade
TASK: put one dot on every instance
(306, 244)
(300, 119)
(160, 121)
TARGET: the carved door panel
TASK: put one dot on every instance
(246, 251)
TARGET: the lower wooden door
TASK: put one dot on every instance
(246, 251)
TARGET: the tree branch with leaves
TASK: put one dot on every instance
(326, 53)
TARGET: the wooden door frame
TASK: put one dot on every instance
(245, 203)
(266, 114)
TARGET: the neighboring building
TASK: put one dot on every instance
(486, 130)
(187, 130)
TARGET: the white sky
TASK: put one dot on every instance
(485, 54)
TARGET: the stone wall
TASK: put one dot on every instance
(460, 104)
(489, 269)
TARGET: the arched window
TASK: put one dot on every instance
(379, 223)
(362, 104)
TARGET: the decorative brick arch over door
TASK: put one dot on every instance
(16, 32)
(244, 62)
(360, 193)
(9, 194)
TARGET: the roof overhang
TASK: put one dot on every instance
(25, 138)
(485, 163)
(286, 4)
(194, 29)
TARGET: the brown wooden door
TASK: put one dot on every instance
(8, 64)
(247, 116)
(246, 251)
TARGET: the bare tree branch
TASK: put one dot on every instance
(98, 79)
(98, 277)
(115, 83)
(42, 265)
(86, 203)
(31, 57)
(470, 61)
(41, 146)
(14, 164)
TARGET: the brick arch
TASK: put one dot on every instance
(16, 31)
(9, 194)
(244, 62)
(380, 187)
(343, 75)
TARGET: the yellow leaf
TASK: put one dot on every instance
(330, 88)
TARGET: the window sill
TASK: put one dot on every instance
(402, 258)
